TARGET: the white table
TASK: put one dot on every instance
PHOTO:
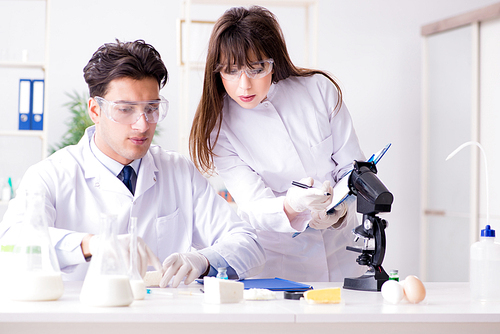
(446, 309)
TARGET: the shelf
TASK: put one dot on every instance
(288, 3)
(42, 65)
(20, 64)
(194, 66)
(23, 133)
(184, 24)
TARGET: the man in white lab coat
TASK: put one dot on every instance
(115, 170)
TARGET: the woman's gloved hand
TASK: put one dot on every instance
(321, 220)
(190, 265)
(145, 254)
(313, 199)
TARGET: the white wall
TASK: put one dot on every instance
(372, 47)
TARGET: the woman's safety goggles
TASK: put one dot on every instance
(129, 112)
(257, 70)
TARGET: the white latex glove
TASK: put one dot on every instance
(146, 256)
(321, 220)
(191, 264)
(313, 199)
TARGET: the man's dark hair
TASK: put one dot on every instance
(137, 60)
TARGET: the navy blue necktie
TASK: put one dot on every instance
(127, 177)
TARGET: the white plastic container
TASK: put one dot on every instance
(485, 267)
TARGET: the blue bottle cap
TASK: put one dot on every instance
(488, 232)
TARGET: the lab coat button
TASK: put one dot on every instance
(97, 185)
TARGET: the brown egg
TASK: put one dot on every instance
(414, 289)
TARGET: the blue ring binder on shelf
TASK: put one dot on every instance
(24, 104)
(37, 93)
(31, 104)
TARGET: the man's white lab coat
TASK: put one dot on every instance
(175, 206)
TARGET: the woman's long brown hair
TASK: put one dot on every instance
(238, 33)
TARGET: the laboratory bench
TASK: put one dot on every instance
(447, 308)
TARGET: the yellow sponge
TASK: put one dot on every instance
(152, 278)
(323, 296)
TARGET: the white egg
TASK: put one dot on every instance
(392, 291)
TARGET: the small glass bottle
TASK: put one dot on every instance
(222, 273)
(394, 275)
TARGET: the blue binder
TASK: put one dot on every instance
(37, 103)
(31, 104)
(24, 104)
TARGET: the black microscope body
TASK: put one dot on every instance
(372, 198)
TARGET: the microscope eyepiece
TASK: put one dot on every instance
(373, 196)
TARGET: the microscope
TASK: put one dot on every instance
(372, 198)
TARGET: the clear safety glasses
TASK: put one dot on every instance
(129, 112)
(257, 70)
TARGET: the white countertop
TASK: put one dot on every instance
(446, 304)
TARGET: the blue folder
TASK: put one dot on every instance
(274, 284)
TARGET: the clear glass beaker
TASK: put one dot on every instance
(136, 281)
(107, 282)
(27, 257)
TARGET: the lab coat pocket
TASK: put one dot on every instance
(172, 235)
(321, 153)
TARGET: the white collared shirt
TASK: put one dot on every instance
(114, 166)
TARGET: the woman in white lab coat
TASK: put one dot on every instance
(262, 123)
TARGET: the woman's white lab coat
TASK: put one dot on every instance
(175, 206)
(293, 134)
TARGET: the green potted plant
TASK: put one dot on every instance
(78, 123)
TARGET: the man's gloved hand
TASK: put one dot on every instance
(191, 264)
(146, 256)
(313, 199)
(320, 220)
